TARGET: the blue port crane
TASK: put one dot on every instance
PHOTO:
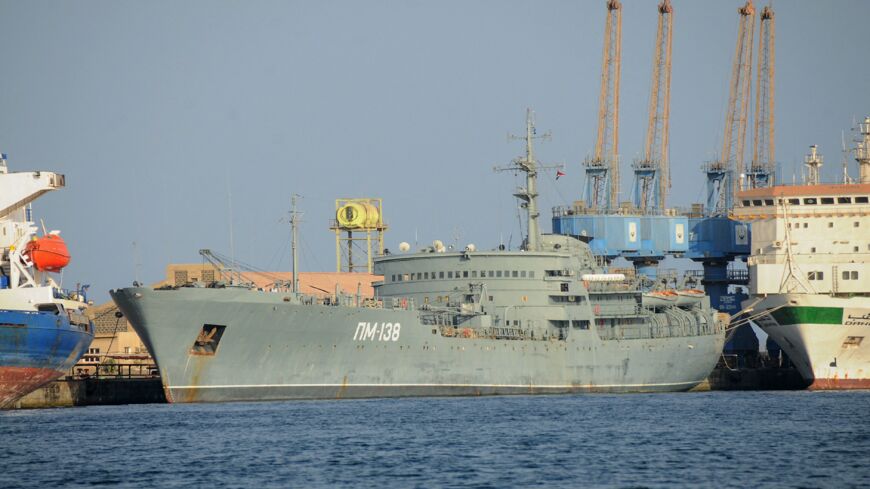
(715, 240)
(642, 231)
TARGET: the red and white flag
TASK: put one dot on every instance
(559, 173)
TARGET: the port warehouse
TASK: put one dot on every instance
(118, 350)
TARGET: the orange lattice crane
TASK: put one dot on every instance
(721, 174)
(602, 170)
(651, 174)
(762, 168)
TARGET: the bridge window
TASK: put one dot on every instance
(794, 201)
(810, 201)
(440, 274)
(515, 273)
(815, 275)
(580, 324)
(768, 201)
(745, 203)
(827, 200)
(844, 200)
(464, 274)
(498, 273)
(756, 203)
(449, 274)
(861, 200)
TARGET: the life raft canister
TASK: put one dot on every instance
(48, 253)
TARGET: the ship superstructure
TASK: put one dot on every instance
(43, 329)
(542, 319)
(809, 273)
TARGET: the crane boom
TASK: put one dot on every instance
(652, 178)
(762, 168)
(602, 171)
(721, 174)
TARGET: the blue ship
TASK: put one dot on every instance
(44, 330)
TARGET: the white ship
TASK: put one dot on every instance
(809, 274)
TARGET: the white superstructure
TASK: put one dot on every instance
(22, 286)
(809, 271)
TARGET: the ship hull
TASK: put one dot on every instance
(36, 348)
(270, 349)
(827, 338)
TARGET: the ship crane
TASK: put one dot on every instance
(652, 178)
(602, 170)
(762, 168)
(721, 187)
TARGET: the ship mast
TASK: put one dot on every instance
(862, 152)
(529, 194)
(813, 162)
(294, 226)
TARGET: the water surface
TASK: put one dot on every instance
(737, 439)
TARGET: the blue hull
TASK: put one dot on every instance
(35, 348)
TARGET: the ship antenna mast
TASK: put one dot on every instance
(295, 219)
(529, 166)
(862, 151)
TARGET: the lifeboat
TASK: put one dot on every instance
(660, 298)
(689, 297)
(48, 253)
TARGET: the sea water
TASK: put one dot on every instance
(721, 439)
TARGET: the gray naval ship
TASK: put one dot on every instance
(544, 319)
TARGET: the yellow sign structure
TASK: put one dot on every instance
(357, 221)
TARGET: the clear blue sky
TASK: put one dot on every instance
(158, 111)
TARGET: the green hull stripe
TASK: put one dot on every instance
(812, 315)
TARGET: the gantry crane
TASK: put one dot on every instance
(651, 174)
(721, 174)
(763, 165)
(602, 170)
